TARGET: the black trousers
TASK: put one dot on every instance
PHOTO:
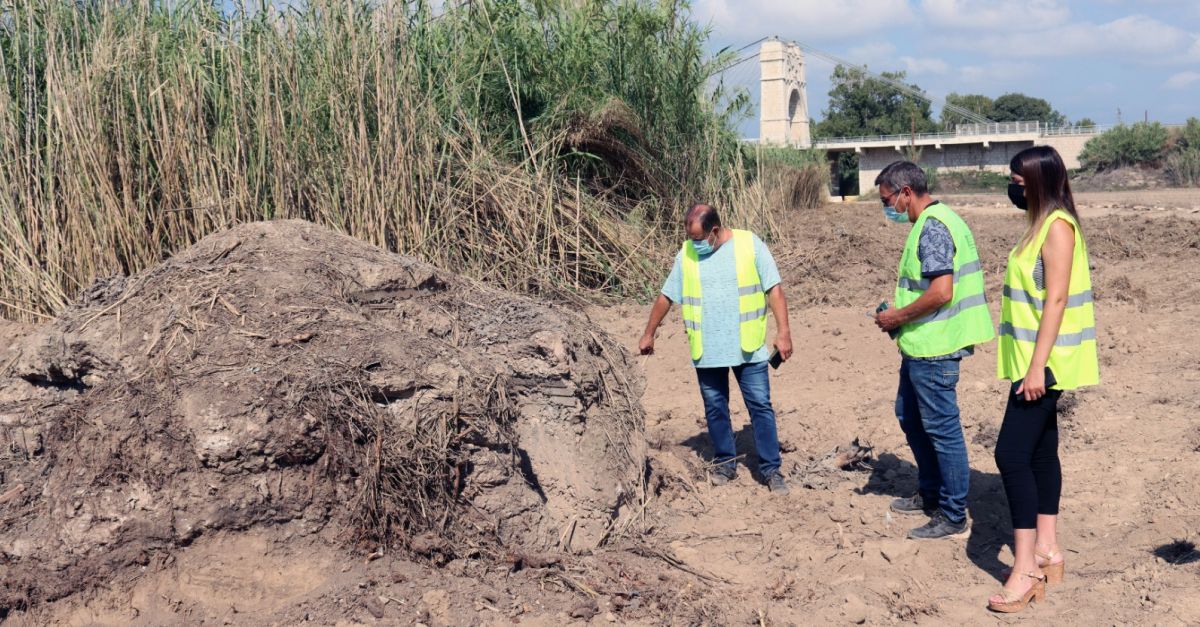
(1027, 456)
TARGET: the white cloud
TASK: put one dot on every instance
(926, 65)
(996, 77)
(874, 54)
(995, 16)
(1182, 80)
(881, 56)
(1138, 36)
(803, 20)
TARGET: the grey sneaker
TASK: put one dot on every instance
(938, 527)
(912, 505)
(723, 474)
(776, 484)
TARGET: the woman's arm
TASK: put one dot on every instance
(1058, 251)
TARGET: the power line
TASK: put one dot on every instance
(736, 63)
(753, 43)
(904, 88)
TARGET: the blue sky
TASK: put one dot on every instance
(1087, 58)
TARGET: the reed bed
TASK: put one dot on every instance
(547, 147)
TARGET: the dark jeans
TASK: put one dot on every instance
(1027, 456)
(927, 406)
(756, 391)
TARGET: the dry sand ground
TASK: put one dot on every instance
(830, 553)
(1130, 447)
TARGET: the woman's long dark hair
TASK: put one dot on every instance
(1046, 185)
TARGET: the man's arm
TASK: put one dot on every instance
(657, 313)
(783, 329)
(936, 254)
(940, 292)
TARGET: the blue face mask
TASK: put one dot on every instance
(899, 217)
(702, 247)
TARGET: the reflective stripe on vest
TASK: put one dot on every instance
(965, 320)
(752, 302)
(1018, 295)
(1074, 358)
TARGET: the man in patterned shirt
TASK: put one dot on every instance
(935, 330)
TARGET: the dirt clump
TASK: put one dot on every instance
(280, 374)
(1127, 178)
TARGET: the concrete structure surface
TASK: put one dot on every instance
(991, 152)
(783, 103)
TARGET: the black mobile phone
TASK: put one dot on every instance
(1050, 380)
(883, 306)
(776, 359)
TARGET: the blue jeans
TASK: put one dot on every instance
(756, 391)
(927, 406)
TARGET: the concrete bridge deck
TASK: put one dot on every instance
(971, 147)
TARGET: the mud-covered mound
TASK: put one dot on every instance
(279, 373)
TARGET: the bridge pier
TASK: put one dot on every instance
(783, 102)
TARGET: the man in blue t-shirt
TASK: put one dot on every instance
(721, 320)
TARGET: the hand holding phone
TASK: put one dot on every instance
(883, 307)
(775, 360)
(1050, 381)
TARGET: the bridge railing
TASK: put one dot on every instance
(882, 138)
(973, 130)
(997, 128)
(1000, 128)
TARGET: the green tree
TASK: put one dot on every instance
(974, 102)
(1021, 108)
(1189, 135)
(1142, 144)
(1085, 122)
(860, 104)
(863, 105)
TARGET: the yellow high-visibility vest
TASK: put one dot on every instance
(1073, 359)
(752, 301)
(962, 322)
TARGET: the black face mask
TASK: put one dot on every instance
(1016, 193)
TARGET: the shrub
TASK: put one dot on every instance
(784, 179)
(1138, 144)
(1183, 167)
(973, 180)
(785, 155)
(931, 178)
(1188, 137)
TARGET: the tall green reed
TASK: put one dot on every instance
(511, 140)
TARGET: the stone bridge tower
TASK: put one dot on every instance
(783, 104)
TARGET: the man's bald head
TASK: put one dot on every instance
(701, 219)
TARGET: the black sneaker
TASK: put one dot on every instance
(776, 484)
(723, 474)
(938, 527)
(913, 505)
